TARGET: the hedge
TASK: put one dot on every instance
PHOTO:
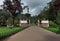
(5, 32)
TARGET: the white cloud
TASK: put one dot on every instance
(1, 2)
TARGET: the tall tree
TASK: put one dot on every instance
(54, 7)
(13, 6)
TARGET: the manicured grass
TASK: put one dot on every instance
(55, 30)
(5, 32)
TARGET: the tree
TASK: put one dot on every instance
(54, 8)
(13, 6)
(44, 14)
(3, 17)
(27, 15)
(58, 18)
(50, 12)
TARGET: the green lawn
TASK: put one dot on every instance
(55, 30)
(5, 32)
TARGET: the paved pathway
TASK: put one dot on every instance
(34, 33)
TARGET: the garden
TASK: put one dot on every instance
(53, 27)
(6, 32)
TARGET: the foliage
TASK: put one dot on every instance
(44, 14)
(13, 6)
(5, 32)
(53, 24)
(50, 12)
(9, 21)
(27, 16)
(5, 14)
(54, 7)
(16, 22)
(3, 17)
(53, 29)
(58, 18)
(33, 19)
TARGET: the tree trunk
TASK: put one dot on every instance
(13, 20)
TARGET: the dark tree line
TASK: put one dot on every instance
(54, 8)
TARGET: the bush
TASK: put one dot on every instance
(52, 24)
(5, 32)
(53, 29)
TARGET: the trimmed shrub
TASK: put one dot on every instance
(5, 32)
(52, 24)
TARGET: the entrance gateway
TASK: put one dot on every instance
(43, 23)
(24, 23)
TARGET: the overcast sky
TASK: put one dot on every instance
(35, 5)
